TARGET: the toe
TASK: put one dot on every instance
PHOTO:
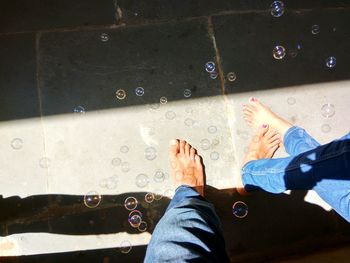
(272, 151)
(198, 162)
(182, 147)
(273, 137)
(187, 149)
(263, 130)
(174, 147)
(192, 153)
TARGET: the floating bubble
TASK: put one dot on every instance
(315, 29)
(326, 128)
(328, 110)
(125, 167)
(240, 209)
(189, 122)
(187, 93)
(139, 91)
(79, 110)
(331, 62)
(104, 37)
(120, 94)
(170, 115)
(92, 199)
(130, 203)
(116, 161)
(135, 221)
(214, 156)
(156, 195)
(142, 180)
(291, 100)
(212, 129)
(277, 8)
(209, 66)
(124, 149)
(278, 52)
(154, 106)
(205, 144)
(142, 227)
(109, 183)
(17, 143)
(231, 76)
(149, 197)
(163, 100)
(293, 53)
(159, 176)
(125, 247)
(150, 153)
(44, 162)
(213, 75)
(135, 212)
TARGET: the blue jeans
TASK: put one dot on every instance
(310, 166)
(189, 231)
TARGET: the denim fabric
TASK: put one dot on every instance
(323, 168)
(189, 231)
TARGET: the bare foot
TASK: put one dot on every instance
(256, 114)
(263, 145)
(186, 166)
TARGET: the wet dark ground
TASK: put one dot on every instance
(52, 59)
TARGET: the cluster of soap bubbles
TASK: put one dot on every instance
(277, 9)
(135, 217)
(110, 182)
(118, 162)
(211, 69)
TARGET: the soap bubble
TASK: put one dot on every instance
(210, 66)
(291, 100)
(135, 220)
(120, 94)
(104, 37)
(125, 167)
(189, 122)
(150, 153)
(315, 29)
(109, 183)
(79, 110)
(331, 62)
(44, 162)
(92, 199)
(205, 144)
(187, 93)
(130, 203)
(142, 227)
(170, 115)
(231, 76)
(326, 128)
(328, 110)
(279, 52)
(154, 106)
(213, 75)
(139, 91)
(116, 161)
(149, 197)
(159, 176)
(17, 143)
(125, 247)
(157, 196)
(124, 149)
(142, 180)
(163, 100)
(214, 156)
(239, 209)
(212, 129)
(135, 212)
(277, 8)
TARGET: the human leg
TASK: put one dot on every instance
(190, 230)
(324, 169)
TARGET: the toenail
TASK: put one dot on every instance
(264, 125)
(252, 99)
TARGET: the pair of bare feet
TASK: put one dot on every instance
(186, 164)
